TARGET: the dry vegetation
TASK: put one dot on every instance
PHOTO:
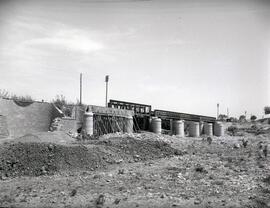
(7, 95)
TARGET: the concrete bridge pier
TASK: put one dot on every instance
(178, 127)
(208, 129)
(128, 127)
(218, 129)
(194, 129)
(88, 124)
(156, 125)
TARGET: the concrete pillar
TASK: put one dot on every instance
(128, 124)
(88, 124)
(218, 129)
(208, 129)
(194, 129)
(156, 125)
(178, 128)
(79, 112)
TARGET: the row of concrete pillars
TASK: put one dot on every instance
(88, 124)
(195, 129)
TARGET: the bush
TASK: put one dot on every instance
(60, 101)
(7, 95)
(4, 93)
(267, 110)
(222, 117)
(232, 119)
(232, 130)
(65, 106)
(242, 118)
(26, 98)
(253, 118)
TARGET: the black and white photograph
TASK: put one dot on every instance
(134, 103)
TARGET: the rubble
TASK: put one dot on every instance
(100, 200)
(244, 143)
(55, 125)
(236, 146)
(73, 192)
(209, 140)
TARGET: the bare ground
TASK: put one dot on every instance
(166, 172)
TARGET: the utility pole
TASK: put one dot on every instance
(217, 110)
(80, 88)
(228, 112)
(106, 80)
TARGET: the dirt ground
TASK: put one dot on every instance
(135, 170)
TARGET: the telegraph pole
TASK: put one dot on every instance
(80, 88)
(106, 80)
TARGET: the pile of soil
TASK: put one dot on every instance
(36, 158)
(134, 149)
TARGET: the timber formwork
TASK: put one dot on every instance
(106, 120)
(142, 112)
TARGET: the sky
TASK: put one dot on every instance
(176, 55)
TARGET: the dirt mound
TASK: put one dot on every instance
(57, 137)
(36, 158)
(139, 149)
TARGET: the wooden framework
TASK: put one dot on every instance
(182, 116)
(104, 124)
(142, 112)
(139, 109)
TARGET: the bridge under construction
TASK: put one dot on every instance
(143, 114)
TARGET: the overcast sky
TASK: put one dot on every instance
(177, 55)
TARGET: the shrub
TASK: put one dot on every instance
(222, 117)
(267, 110)
(60, 101)
(232, 119)
(4, 93)
(253, 118)
(242, 118)
(233, 130)
(7, 95)
(26, 98)
(65, 106)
